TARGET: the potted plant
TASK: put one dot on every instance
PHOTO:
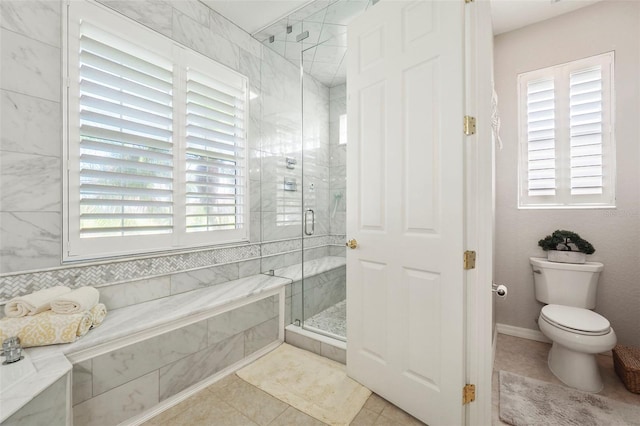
(566, 247)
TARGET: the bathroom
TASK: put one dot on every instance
(281, 127)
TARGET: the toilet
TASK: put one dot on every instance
(577, 333)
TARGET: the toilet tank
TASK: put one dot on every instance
(569, 284)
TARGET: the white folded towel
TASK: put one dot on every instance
(80, 300)
(34, 303)
(98, 313)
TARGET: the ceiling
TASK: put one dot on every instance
(326, 21)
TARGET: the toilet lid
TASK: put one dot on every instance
(579, 319)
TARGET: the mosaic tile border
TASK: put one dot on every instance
(121, 271)
(12, 285)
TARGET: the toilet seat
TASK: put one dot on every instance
(575, 320)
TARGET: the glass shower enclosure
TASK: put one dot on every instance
(311, 190)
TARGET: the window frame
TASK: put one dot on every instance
(78, 249)
(560, 74)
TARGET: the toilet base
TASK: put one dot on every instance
(576, 369)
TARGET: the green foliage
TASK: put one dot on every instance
(566, 241)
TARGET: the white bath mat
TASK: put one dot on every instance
(313, 384)
(525, 401)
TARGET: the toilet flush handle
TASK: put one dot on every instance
(537, 271)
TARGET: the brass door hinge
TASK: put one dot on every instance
(469, 259)
(469, 125)
(468, 394)
(468, 1)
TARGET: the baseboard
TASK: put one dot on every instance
(494, 345)
(185, 394)
(524, 333)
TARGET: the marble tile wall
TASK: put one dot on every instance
(48, 408)
(113, 387)
(31, 147)
(30, 96)
(320, 292)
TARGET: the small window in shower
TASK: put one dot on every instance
(342, 140)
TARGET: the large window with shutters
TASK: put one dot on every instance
(566, 148)
(156, 141)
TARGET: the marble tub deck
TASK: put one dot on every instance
(51, 362)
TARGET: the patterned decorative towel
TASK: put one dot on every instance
(80, 300)
(46, 328)
(97, 314)
(34, 303)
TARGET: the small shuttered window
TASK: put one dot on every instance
(567, 157)
(156, 152)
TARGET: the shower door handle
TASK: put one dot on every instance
(306, 222)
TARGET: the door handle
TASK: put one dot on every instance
(352, 244)
(306, 222)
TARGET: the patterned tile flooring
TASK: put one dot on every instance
(332, 320)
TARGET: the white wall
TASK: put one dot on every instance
(603, 27)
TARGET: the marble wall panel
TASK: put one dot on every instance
(30, 183)
(200, 278)
(249, 65)
(29, 124)
(155, 14)
(315, 253)
(193, 9)
(201, 39)
(29, 241)
(122, 365)
(82, 381)
(230, 323)
(200, 365)
(36, 19)
(260, 336)
(48, 408)
(134, 292)
(120, 403)
(27, 66)
(248, 268)
(230, 31)
(338, 250)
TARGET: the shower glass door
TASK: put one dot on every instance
(323, 290)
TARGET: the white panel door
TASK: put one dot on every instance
(405, 200)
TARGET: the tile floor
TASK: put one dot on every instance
(529, 358)
(232, 401)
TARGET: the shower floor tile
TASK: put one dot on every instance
(332, 320)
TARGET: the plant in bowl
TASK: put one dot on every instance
(566, 247)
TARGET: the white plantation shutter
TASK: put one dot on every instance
(585, 124)
(156, 141)
(126, 139)
(215, 153)
(541, 147)
(566, 151)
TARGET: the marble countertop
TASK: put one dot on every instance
(50, 364)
